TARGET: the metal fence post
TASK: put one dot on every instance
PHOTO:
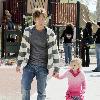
(77, 28)
(23, 16)
(58, 37)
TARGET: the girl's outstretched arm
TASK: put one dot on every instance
(62, 76)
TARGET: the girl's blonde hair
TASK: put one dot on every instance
(76, 61)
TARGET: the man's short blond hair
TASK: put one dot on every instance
(38, 11)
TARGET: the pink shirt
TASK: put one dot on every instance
(76, 84)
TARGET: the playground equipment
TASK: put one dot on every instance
(59, 15)
(11, 38)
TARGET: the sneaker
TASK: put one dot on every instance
(87, 65)
(95, 70)
(66, 64)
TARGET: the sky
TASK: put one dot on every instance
(91, 4)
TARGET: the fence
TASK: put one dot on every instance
(62, 13)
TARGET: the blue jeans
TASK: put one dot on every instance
(10, 25)
(98, 56)
(68, 52)
(29, 72)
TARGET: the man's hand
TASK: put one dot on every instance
(55, 74)
(18, 69)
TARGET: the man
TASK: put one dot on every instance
(97, 43)
(85, 46)
(38, 53)
(8, 20)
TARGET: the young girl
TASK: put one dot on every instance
(76, 80)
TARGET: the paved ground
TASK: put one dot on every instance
(10, 83)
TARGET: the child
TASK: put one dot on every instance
(76, 80)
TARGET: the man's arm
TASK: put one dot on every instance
(56, 57)
(22, 52)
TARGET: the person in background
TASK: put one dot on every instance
(38, 53)
(76, 80)
(97, 43)
(68, 36)
(87, 31)
(8, 20)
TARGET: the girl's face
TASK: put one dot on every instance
(74, 66)
(40, 21)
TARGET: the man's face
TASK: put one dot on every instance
(40, 21)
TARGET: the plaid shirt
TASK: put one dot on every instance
(24, 52)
